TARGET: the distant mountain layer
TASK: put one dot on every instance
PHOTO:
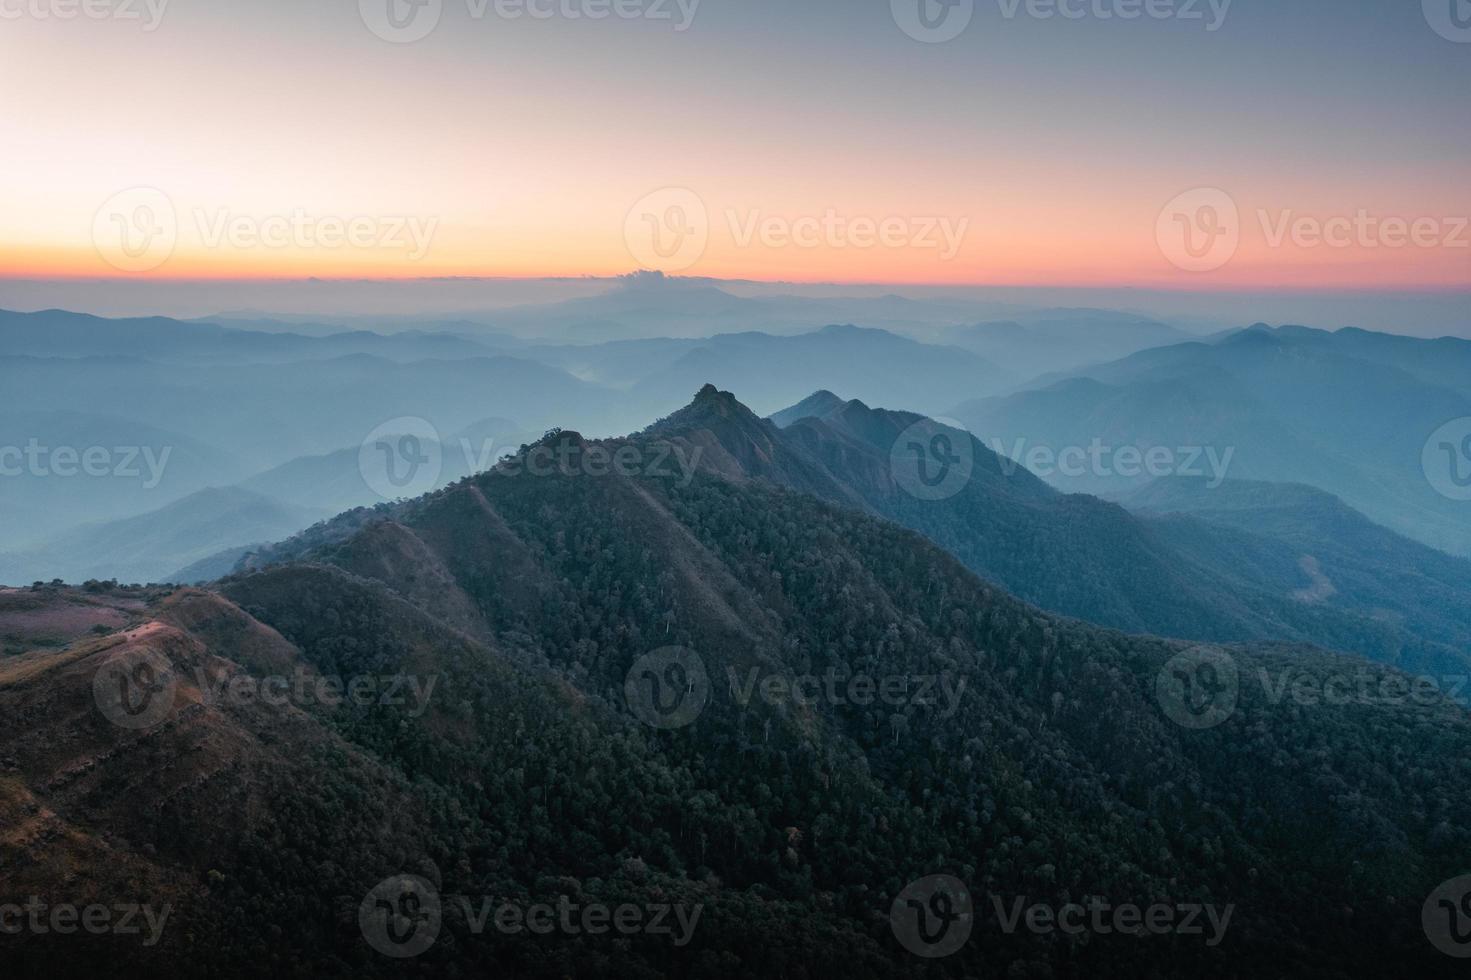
(774, 371)
(64, 467)
(262, 415)
(650, 305)
(152, 547)
(336, 481)
(201, 536)
(164, 409)
(226, 403)
(1350, 412)
(814, 406)
(1059, 340)
(58, 333)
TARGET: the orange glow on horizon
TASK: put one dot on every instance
(1260, 269)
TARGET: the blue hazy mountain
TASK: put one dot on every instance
(1349, 412)
(58, 333)
(1062, 339)
(63, 466)
(151, 547)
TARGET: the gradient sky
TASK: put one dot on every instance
(527, 142)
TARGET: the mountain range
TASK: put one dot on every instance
(1191, 574)
(545, 759)
(1349, 412)
(274, 406)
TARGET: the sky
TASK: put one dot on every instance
(1253, 145)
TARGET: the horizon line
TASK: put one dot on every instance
(649, 276)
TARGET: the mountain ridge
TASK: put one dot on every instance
(533, 594)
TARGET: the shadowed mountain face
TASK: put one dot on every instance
(552, 760)
(1352, 412)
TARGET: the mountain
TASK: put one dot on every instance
(814, 406)
(1350, 412)
(105, 420)
(232, 399)
(61, 467)
(336, 481)
(150, 547)
(1084, 557)
(1030, 757)
(649, 305)
(773, 371)
(269, 414)
(201, 536)
(1041, 341)
(333, 479)
(283, 414)
(383, 324)
(211, 567)
(618, 364)
(60, 333)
